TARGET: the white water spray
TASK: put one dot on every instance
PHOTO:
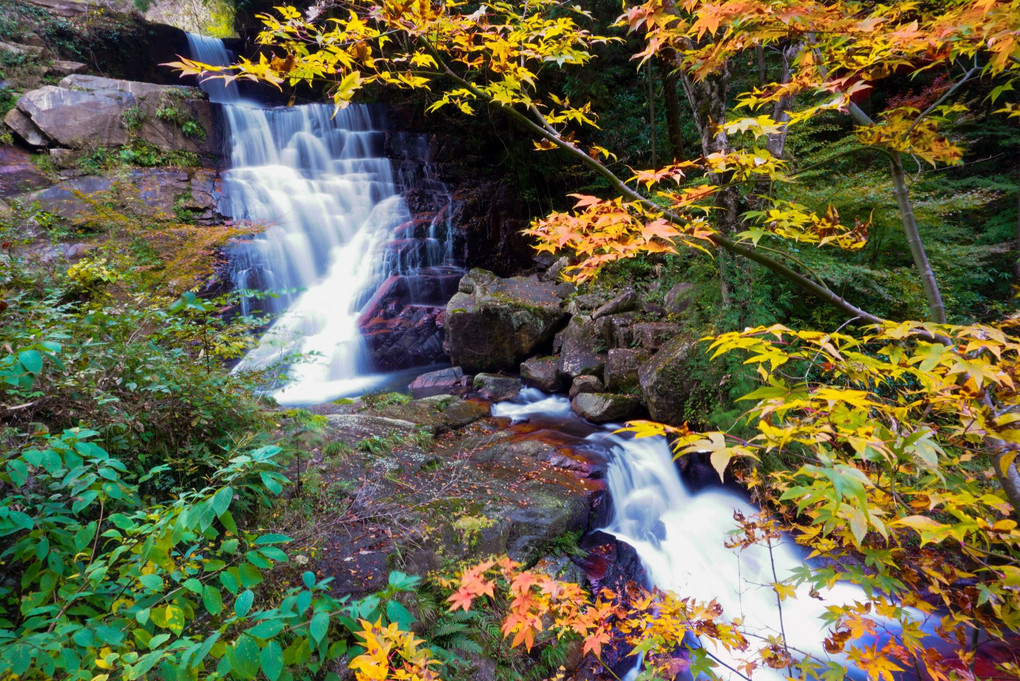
(325, 191)
(681, 537)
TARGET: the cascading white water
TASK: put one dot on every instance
(680, 538)
(321, 185)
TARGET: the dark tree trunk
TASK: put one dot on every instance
(671, 98)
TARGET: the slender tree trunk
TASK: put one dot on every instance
(651, 112)
(936, 309)
(781, 111)
(707, 98)
(1016, 265)
(670, 97)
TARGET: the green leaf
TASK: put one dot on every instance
(18, 471)
(152, 582)
(146, 663)
(273, 553)
(250, 575)
(193, 585)
(271, 483)
(243, 603)
(266, 629)
(272, 660)
(221, 501)
(399, 614)
(83, 537)
(272, 539)
(402, 581)
(212, 599)
(319, 625)
(228, 580)
(169, 617)
(244, 657)
(31, 360)
(20, 658)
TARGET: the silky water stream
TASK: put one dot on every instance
(680, 538)
(320, 184)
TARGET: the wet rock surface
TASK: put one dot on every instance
(604, 407)
(494, 323)
(401, 500)
(542, 373)
(666, 380)
(496, 387)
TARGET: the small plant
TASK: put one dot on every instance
(424, 439)
(90, 278)
(133, 117)
(171, 111)
(386, 399)
(376, 445)
(337, 448)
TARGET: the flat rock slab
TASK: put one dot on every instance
(418, 506)
(352, 428)
(439, 413)
(165, 189)
(88, 111)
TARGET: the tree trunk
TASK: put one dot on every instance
(781, 112)
(651, 112)
(707, 98)
(936, 309)
(670, 86)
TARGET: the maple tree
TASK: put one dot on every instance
(906, 432)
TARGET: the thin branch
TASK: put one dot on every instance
(938, 102)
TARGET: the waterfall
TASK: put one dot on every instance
(330, 206)
(680, 538)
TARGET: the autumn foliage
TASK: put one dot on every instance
(906, 433)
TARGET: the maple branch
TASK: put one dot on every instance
(938, 102)
(936, 308)
(717, 238)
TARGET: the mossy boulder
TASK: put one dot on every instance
(494, 323)
(439, 413)
(604, 407)
(666, 381)
(542, 373)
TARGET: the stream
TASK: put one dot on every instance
(680, 538)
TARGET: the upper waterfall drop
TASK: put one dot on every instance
(319, 181)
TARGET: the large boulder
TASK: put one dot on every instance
(25, 129)
(497, 388)
(625, 302)
(604, 407)
(579, 347)
(666, 382)
(542, 373)
(440, 382)
(616, 330)
(585, 384)
(88, 111)
(652, 335)
(622, 365)
(494, 323)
